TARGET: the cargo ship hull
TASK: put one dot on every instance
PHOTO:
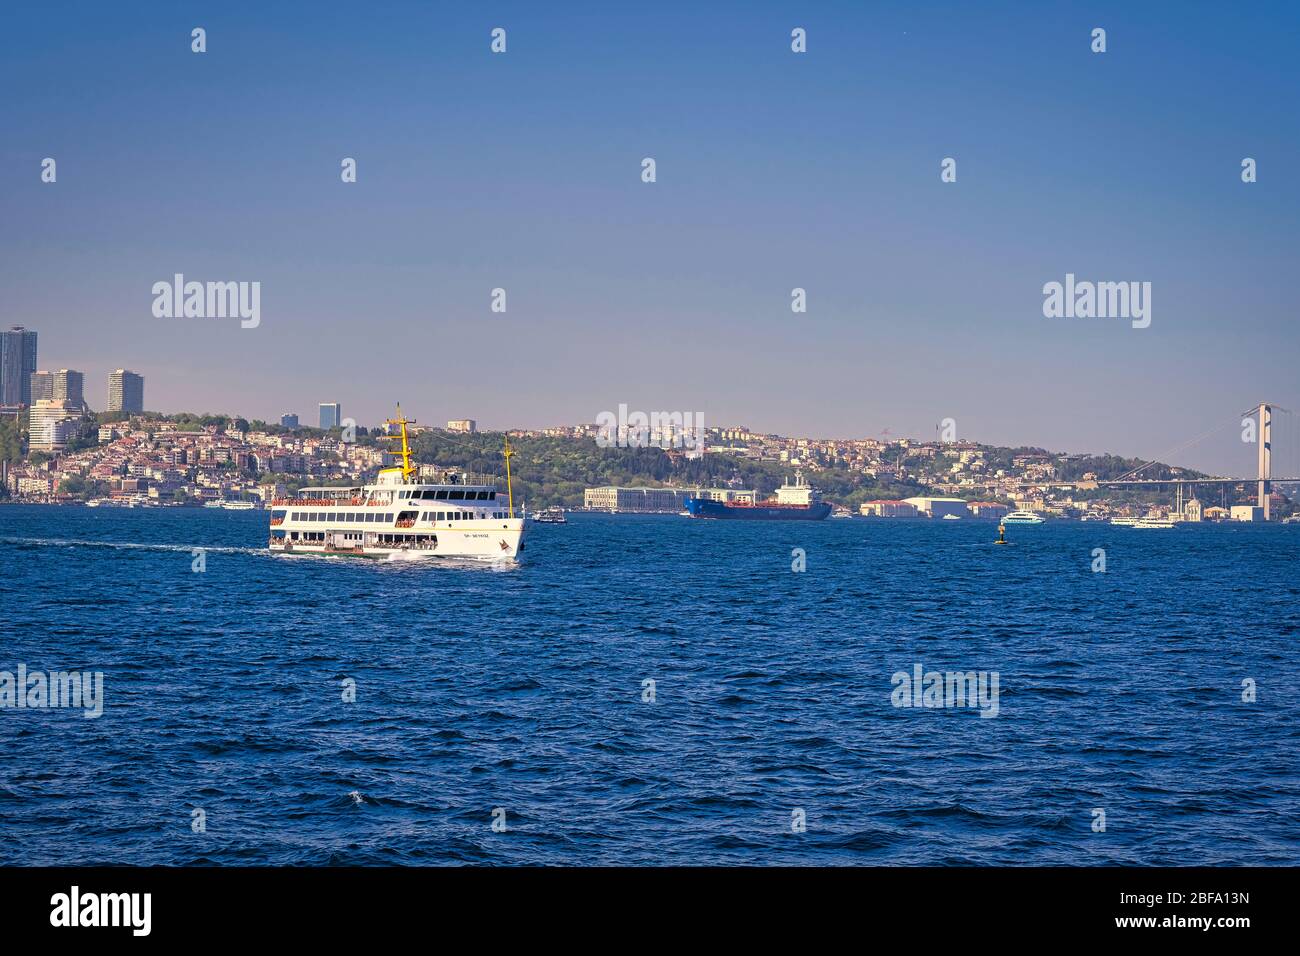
(706, 508)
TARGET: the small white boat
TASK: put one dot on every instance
(550, 516)
(1022, 517)
(951, 518)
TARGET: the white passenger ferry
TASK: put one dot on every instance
(458, 516)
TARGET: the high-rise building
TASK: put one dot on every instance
(465, 425)
(17, 363)
(331, 415)
(69, 386)
(51, 423)
(42, 386)
(288, 421)
(125, 391)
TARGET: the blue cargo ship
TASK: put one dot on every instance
(793, 502)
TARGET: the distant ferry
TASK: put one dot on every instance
(458, 517)
(793, 502)
(1022, 517)
(550, 516)
(238, 505)
(1154, 523)
(1125, 522)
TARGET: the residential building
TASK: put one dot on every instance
(466, 425)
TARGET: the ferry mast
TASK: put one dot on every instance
(407, 468)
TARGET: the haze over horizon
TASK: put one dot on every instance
(775, 170)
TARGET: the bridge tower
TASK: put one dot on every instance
(1265, 439)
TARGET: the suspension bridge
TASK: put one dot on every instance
(1261, 416)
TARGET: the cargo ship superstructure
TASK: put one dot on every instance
(793, 502)
(458, 515)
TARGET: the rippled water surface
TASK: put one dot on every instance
(522, 688)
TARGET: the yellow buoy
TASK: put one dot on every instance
(1002, 534)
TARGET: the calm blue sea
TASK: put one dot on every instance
(519, 695)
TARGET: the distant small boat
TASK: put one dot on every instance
(1093, 516)
(951, 518)
(1292, 519)
(1125, 522)
(1022, 517)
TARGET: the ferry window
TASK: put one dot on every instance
(456, 495)
(492, 496)
(442, 495)
(482, 496)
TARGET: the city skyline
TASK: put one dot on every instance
(818, 171)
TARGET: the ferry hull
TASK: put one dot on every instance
(705, 508)
(470, 544)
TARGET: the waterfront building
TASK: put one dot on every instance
(125, 391)
(331, 415)
(938, 507)
(989, 509)
(638, 500)
(464, 425)
(288, 420)
(52, 423)
(886, 508)
(17, 363)
(1247, 513)
(1193, 510)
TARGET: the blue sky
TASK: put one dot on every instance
(775, 170)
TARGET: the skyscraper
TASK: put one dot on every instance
(17, 363)
(288, 420)
(331, 415)
(125, 391)
(69, 386)
(42, 386)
